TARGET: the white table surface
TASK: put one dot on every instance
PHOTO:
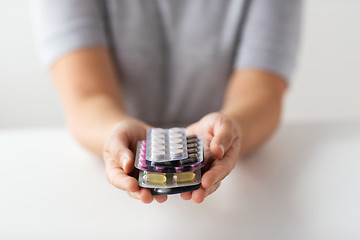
(303, 184)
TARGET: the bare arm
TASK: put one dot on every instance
(250, 114)
(254, 100)
(90, 92)
(95, 114)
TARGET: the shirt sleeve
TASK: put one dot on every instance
(67, 25)
(270, 36)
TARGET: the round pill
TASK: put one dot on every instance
(175, 135)
(157, 130)
(158, 153)
(175, 140)
(176, 153)
(158, 148)
(184, 176)
(158, 144)
(158, 140)
(157, 178)
(176, 146)
(175, 130)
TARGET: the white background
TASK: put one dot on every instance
(325, 86)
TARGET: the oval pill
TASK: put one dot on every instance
(192, 150)
(192, 140)
(193, 155)
(184, 176)
(191, 136)
(157, 178)
(192, 145)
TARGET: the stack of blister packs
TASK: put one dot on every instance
(169, 161)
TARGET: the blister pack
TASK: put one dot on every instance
(163, 145)
(169, 161)
(194, 161)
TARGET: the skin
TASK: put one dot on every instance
(91, 94)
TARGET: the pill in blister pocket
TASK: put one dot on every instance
(158, 153)
(192, 145)
(156, 178)
(176, 146)
(158, 130)
(184, 176)
(193, 155)
(192, 150)
(175, 135)
(157, 147)
(192, 140)
(175, 152)
(175, 130)
(176, 140)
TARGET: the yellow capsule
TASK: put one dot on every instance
(157, 178)
(184, 176)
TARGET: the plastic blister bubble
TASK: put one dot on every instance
(166, 144)
(193, 162)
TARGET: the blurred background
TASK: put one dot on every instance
(325, 86)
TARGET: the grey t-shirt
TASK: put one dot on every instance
(174, 57)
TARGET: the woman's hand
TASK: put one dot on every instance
(222, 141)
(119, 159)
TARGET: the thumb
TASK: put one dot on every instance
(223, 137)
(118, 146)
(126, 159)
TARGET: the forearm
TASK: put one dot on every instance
(91, 121)
(91, 96)
(254, 101)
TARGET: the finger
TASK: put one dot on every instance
(118, 149)
(213, 188)
(224, 135)
(199, 195)
(218, 171)
(143, 195)
(186, 195)
(118, 178)
(124, 157)
(161, 199)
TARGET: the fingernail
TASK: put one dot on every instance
(222, 149)
(124, 161)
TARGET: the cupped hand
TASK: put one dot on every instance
(222, 142)
(119, 156)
